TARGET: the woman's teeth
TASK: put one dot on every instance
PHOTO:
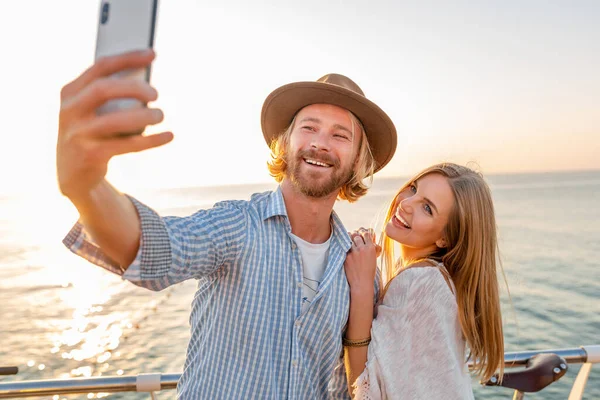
(402, 221)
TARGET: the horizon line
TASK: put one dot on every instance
(20, 193)
(272, 182)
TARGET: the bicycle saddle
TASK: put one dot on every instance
(540, 371)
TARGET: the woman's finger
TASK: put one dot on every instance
(366, 235)
(373, 236)
(358, 240)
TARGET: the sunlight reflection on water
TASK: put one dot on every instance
(68, 318)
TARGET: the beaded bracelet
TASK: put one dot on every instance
(356, 343)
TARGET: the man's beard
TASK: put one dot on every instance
(307, 184)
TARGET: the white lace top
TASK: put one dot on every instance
(417, 349)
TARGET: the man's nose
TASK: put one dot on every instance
(320, 141)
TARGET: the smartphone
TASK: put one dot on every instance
(123, 26)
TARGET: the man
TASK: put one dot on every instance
(272, 300)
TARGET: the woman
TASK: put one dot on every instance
(441, 294)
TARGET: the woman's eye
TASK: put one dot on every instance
(338, 135)
(413, 188)
(428, 209)
(310, 128)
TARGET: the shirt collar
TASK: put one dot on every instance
(276, 207)
(340, 232)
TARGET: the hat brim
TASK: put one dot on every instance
(283, 103)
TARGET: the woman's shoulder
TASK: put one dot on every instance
(423, 274)
(419, 293)
(421, 280)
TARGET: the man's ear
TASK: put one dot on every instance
(441, 243)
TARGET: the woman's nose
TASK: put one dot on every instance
(406, 205)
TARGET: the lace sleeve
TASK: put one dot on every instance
(362, 387)
(366, 387)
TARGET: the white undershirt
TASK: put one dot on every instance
(314, 260)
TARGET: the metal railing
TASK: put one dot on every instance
(576, 355)
(151, 383)
(103, 384)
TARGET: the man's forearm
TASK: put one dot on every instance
(111, 219)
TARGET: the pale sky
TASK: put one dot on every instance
(511, 85)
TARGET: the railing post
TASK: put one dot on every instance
(580, 382)
(518, 395)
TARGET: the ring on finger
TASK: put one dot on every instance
(363, 232)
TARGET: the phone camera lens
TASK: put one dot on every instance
(104, 13)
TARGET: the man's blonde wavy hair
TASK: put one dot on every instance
(364, 167)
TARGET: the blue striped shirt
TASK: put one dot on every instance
(249, 336)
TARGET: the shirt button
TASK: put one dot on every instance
(294, 363)
(299, 284)
(293, 245)
(298, 323)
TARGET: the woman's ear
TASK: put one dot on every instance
(441, 243)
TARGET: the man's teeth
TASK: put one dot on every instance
(399, 218)
(313, 162)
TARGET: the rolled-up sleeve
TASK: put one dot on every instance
(173, 249)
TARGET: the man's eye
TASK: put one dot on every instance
(310, 128)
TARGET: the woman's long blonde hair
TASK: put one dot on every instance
(471, 259)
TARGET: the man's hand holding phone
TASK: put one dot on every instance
(86, 140)
(103, 113)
